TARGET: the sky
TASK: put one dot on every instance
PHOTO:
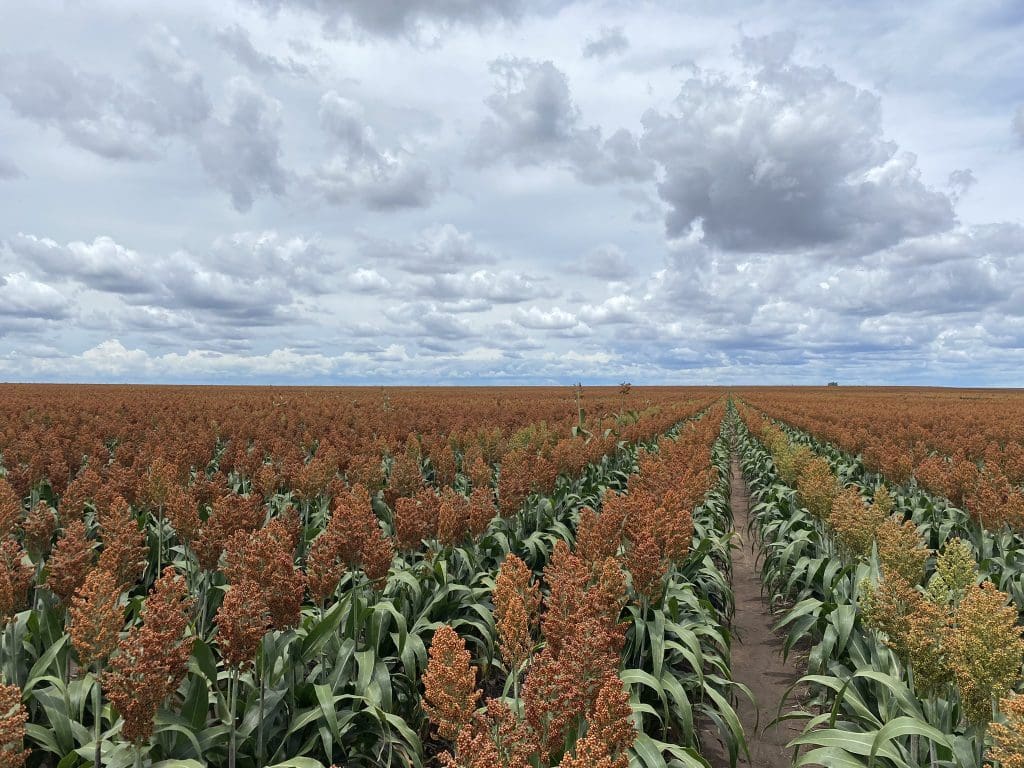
(512, 192)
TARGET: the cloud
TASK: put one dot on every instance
(112, 358)
(359, 171)
(502, 287)
(535, 121)
(232, 197)
(786, 157)
(611, 41)
(960, 183)
(437, 249)
(555, 320)
(235, 40)
(102, 265)
(22, 298)
(608, 262)
(615, 309)
(243, 280)
(398, 17)
(8, 170)
(241, 150)
(113, 118)
(300, 262)
(368, 281)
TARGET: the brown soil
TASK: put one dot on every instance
(756, 653)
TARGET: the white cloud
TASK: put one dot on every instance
(368, 281)
(440, 191)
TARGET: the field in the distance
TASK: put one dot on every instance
(509, 577)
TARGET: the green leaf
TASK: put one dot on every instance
(906, 726)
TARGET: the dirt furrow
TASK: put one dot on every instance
(756, 650)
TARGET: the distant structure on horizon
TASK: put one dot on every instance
(833, 383)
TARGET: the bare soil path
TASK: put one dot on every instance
(756, 650)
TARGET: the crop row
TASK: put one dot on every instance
(914, 653)
(967, 446)
(249, 627)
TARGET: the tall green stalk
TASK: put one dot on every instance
(233, 725)
(261, 670)
(97, 713)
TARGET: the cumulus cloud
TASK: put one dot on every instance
(116, 119)
(360, 171)
(608, 262)
(301, 262)
(368, 281)
(235, 40)
(22, 297)
(242, 280)
(960, 183)
(615, 309)
(534, 121)
(403, 207)
(113, 358)
(787, 157)
(397, 17)
(502, 287)
(611, 41)
(437, 249)
(103, 264)
(553, 319)
(556, 320)
(241, 150)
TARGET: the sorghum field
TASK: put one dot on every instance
(302, 577)
(509, 577)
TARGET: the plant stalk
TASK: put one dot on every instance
(262, 672)
(97, 713)
(232, 695)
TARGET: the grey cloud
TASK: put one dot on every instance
(103, 265)
(1017, 125)
(439, 249)
(22, 298)
(960, 183)
(426, 322)
(87, 109)
(241, 151)
(396, 17)
(556, 321)
(300, 261)
(502, 287)
(552, 319)
(439, 325)
(8, 170)
(896, 300)
(257, 301)
(534, 110)
(619, 309)
(790, 157)
(235, 40)
(770, 52)
(608, 262)
(360, 171)
(535, 121)
(172, 94)
(470, 306)
(123, 120)
(612, 40)
(246, 279)
(619, 158)
(368, 281)
(132, 118)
